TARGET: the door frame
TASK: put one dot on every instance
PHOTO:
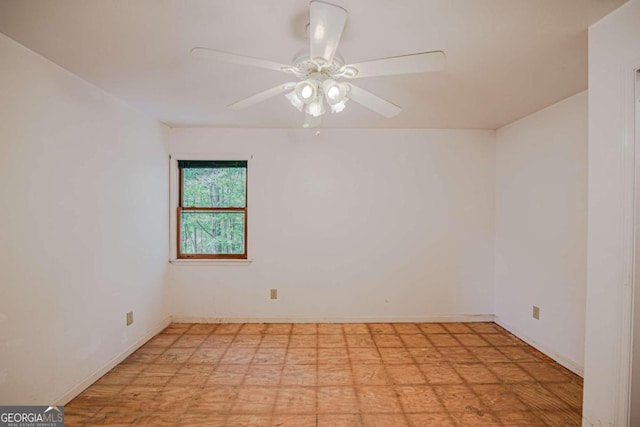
(631, 242)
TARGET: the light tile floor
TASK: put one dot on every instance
(298, 375)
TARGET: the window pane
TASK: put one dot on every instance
(214, 188)
(212, 232)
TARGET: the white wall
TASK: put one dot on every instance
(541, 228)
(614, 50)
(83, 222)
(353, 224)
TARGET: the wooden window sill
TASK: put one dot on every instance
(210, 262)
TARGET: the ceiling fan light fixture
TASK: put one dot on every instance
(339, 106)
(306, 91)
(295, 101)
(315, 108)
(334, 92)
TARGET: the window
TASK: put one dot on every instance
(212, 209)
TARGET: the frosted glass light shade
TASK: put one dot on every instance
(315, 108)
(306, 91)
(295, 101)
(338, 107)
(334, 92)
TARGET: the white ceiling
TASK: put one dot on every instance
(505, 58)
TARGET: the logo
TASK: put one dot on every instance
(32, 416)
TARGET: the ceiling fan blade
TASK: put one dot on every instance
(262, 96)
(405, 64)
(325, 29)
(204, 52)
(373, 102)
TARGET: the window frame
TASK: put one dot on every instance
(176, 208)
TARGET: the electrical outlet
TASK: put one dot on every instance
(536, 312)
(129, 318)
(274, 294)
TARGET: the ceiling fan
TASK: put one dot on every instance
(322, 75)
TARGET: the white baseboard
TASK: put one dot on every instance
(574, 367)
(79, 388)
(318, 319)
